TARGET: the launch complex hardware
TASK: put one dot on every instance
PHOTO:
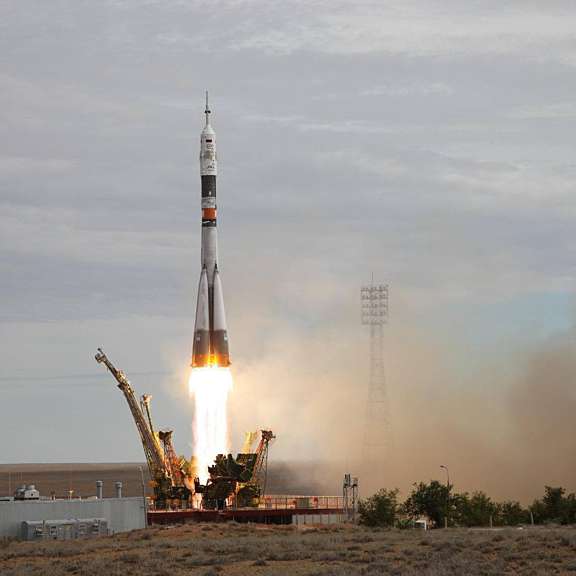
(238, 482)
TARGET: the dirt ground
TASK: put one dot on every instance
(237, 549)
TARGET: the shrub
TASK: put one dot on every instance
(380, 509)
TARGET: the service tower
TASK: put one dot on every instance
(210, 346)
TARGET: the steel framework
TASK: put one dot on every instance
(374, 314)
(350, 497)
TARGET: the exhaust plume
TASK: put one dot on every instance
(209, 387)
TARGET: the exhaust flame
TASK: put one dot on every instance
(209, 387)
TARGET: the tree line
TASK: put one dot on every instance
(441, 506)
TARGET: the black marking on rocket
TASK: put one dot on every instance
(208, 186)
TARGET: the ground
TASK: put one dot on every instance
(237, 549)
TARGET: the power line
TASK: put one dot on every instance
(24, 378)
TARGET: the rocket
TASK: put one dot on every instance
(210, 333)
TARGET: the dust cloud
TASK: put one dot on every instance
(504, 428)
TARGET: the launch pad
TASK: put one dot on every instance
(213, 484)
(273, 510)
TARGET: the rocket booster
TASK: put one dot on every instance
(210, 332)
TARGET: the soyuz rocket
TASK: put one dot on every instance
(210, 346)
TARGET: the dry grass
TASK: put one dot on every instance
(235, 549)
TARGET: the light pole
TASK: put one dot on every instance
(144, 497)
(447, 494)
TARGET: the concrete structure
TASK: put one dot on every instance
(311, 518)
(121, 514)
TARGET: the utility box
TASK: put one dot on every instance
(71, 529)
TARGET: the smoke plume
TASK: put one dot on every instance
(501, 425)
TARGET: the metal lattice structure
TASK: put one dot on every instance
(350, 497)
(374, 312)
(167, 471)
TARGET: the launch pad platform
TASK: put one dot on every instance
(274, 510)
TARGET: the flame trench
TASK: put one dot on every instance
(209, 387)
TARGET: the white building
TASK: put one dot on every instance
(121, 514)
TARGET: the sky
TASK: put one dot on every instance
(426, 143)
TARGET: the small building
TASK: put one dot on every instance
(119, 514)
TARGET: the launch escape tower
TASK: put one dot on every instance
(374, 314)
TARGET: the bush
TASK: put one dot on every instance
(431, 500)
(380, 509)
(511, 513)
(554, 507)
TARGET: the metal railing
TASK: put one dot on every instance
(276, 502)
(291, 502)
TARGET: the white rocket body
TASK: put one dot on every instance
(210, 332)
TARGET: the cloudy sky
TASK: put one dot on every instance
(429, 143)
